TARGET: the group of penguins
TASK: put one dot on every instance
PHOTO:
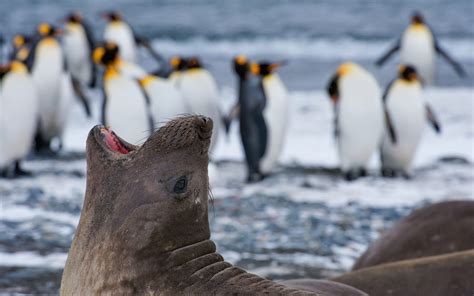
(48, 69)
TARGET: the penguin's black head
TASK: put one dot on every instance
(267, 68)
(112, 16)
(194, 63)
(241, 66)
(74, 18)
(47, 30)
(408, 73)
(417, 18)
(178, 63)
(106, 54)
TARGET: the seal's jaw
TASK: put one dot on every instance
(110, 142)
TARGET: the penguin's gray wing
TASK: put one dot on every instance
(142, 41)
(388, 120)
(151, 122)
(76, 85)
(91, 44)
(432, 118)
(395, 47)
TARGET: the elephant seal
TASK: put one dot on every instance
(144, 227)
(449, 274)
(436, 229)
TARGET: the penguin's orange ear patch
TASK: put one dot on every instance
(44, 28)
(240, 60)
(345, 68)
(255, 68)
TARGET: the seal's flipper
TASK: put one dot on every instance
(432, 119)
(379, 62)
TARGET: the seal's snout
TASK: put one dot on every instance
(204, 127)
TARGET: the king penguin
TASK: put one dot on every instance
(358, 117)
(418, 47)
(78, 43)
(18, 117)
(276, 113)
(251, 106)
(53, 85)
(406, 114)
(126, 106)
(166, 101)
(201, 95)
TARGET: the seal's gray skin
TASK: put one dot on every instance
(253, 128)
(138, 235)
(436, 229)
(449, 274)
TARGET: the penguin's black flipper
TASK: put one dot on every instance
(233, 114)
(379, 62)
(147, 45)
(149, 114)
(104, 105)
(76, 85)
(432, 119)
(456, 66)
(391, 129)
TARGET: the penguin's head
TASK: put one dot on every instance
(20, 40)
(267, 68)
(343, 70)
(255, 69)
(47, 30)
(194, 63)
(241, 65)
(407, 73)
(106, 54)
(74, 18)
(112, 16)
(417, 18)
(178, 63)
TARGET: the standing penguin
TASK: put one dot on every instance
(121, 33)
(418, 46)
(358, 117)
(200, 93)
(166, 101)
(275, 113)
(406, 114)
(18, 117)
(125, 107)
(253, 129)
(53, 85)
(78, 45)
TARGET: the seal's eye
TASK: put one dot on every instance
(181, 185)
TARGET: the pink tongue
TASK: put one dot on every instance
(114, 143)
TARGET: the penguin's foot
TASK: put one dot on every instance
(355, 174)
(389, 173)
(19, 172)
(255, 177)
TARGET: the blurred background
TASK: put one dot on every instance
(302, 221)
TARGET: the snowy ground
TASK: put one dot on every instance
(303, 221)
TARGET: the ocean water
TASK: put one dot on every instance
(313, 36)
(303, 221)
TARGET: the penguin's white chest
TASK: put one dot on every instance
(18, 118)
(417, 49)
(360, 120)
(126, 110)
(77, 53)
(166, 100)
(407, 112)
(132, 70)
(201, 95)
(122, 35)
(47, 74)
(276, 119)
